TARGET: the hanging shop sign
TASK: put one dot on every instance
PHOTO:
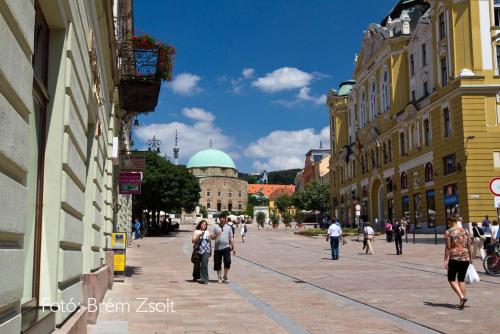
(495, 186)
(133, 162)
(130, 183)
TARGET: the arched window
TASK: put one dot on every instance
(362, 110)
(404, 180)
(429, 172)
(373, 99)
(384, 98)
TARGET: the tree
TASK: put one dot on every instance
(166, 187)
(283, 202)
(203, 211)
(314, 197)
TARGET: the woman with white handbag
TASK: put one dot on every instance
(457, 257)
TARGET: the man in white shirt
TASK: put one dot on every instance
(334, 235)
(369, 234)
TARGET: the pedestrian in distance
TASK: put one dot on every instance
(457, 257)
(369, 235)
(202, 245)
(224, 243)
(486, 225)
(477, 241)
(494, 231)
(137, 229)
(388, 230)
(243, 231)
(334, 235)
(399, 232)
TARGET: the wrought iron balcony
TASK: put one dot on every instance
(141, 72)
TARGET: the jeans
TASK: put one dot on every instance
(200, 269)
(398, 240)
(334, 244)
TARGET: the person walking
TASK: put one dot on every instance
(457, 257)
(388, 230)
(202, 243)
(486, 225)
(494, 231)
(137, 229)
(398, 231)
(369, 234)
(334, 235)
(224, 242)
(477, 241)
(243, 231)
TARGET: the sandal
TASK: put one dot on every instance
(225, 280)
(219, 281)
(461, 306)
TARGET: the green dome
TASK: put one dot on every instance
(211, 158)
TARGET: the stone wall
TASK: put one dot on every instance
(223, 190)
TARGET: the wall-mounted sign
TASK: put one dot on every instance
(497, 201)
(495, 186)
(133, 162)
(451, 199)
(130, 183)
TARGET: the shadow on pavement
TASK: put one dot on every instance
(440, 305)
(131, 271)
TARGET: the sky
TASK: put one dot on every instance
(252, 75)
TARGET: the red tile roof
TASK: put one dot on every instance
(271, 190)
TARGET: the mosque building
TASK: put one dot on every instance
(221, 189)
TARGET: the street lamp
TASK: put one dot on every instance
(154, 144)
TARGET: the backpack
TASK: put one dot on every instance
(401, 231)
(388, 227)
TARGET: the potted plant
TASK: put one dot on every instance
(299, 218)
(261, 218)
(287, 219)
(275, 219)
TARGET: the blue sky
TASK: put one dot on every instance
(252, 75)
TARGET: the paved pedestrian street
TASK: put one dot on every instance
(282, 282)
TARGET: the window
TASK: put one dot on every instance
(427, 132)
(446, 123)
(389, 150)
(384, 100)
(412, 65)
(450, 165)
(225, 183)
(218, 193)
(373, 101)
(240, 206)
(239, 194)
(377, 157)
(230, 194)
(431, 208)
(426, 88)
(442, 27)
(402, 143)
(424, 55)
(389, 184)
(208, 193)
(413, 96)
(317, 157)
(362, 110)
(404, 181)
(497, 12)
(208, 205)
(429, 172)
(363, 166)
(384, 150)
(372, 156)
(444, 72)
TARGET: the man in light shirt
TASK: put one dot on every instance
(369, 235)
(334, 235)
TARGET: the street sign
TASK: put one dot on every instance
(497, 201)
(133, 162)
(130, 183)
(495, 186)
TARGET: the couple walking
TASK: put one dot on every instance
(202, 250)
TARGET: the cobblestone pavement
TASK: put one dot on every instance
(281, 282)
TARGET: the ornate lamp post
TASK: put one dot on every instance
(154, 144)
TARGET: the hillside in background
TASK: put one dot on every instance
(276, 177)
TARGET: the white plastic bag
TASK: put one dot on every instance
(471, 276)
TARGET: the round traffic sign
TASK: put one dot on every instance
(495, 186)
(358, 207)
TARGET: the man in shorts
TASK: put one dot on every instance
(223, 244)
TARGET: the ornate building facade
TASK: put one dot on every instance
(417, 132)
(221, 189)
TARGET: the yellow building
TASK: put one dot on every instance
(417, 133)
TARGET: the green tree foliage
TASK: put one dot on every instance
(287, 218)
(283, 202)
(166, 187)
(203, 211)
(315, 197)
(275, 219)
(261, 218)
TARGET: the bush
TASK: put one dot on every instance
(261, 218)
(311, 232)
(287, 218)
(275, 219)
(299, 217)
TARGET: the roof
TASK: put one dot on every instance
(414, 9)
(211, 158)
(271, 190)
(346, 87)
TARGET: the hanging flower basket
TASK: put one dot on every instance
(164, 52)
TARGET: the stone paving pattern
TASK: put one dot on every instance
(281, 282)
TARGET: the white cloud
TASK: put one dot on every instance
(284, 78)
(248, 72)
(304, 96)
(198, 114)
(285, 149)
(192, 138)
(185, 84)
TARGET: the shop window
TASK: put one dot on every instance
(404, 180)
(431, 208)
(417, 210)
(429, 172)
(405, 207)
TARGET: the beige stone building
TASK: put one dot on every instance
(221, 189)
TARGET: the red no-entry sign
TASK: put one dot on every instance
(495, 186)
